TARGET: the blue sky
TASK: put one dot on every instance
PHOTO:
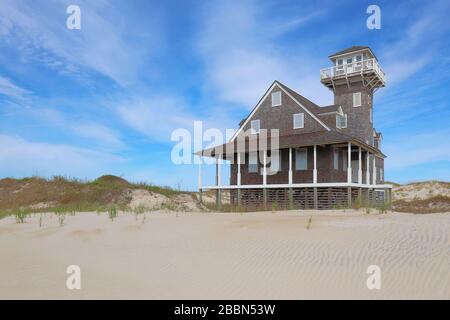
(105, 99)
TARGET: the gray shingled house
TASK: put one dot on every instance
(323, 157)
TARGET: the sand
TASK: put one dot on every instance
(227, 256)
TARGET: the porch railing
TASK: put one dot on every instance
(352, 69)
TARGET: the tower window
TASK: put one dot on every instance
(255, 126)
(276, 99)
(299, 120)
(357, 99)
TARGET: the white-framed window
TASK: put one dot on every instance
(298, 120)
(301, 159)
(336, 159)
(349, 60)
(275, 161)
(358, 58)
(339, 62)
(255, 126)
(356, 99)
(341, 121)
(276, 99)
(253, 162)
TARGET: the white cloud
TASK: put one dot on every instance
(411, 150)
(98, 132)
(242, 58)
(103, 44)
(19, 157)
(11, 90)
(94, 131)
(154, 116)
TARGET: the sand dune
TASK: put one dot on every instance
(215, 256)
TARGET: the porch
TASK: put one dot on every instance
(311, 189)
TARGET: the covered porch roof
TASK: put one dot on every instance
(253, 143)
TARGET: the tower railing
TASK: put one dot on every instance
(359, 67)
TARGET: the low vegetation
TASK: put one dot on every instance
(422, 197)
(62, 195)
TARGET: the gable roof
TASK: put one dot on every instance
(307, 105)
(350, 50)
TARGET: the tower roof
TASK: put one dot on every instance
(350, 50)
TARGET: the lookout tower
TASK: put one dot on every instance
(355, 64)
(354, 78)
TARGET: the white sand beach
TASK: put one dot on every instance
(227, 255)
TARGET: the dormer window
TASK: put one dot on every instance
(255, 126)
(341, 121)
(276, 99)
(357, 99)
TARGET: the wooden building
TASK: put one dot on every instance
(291, 153)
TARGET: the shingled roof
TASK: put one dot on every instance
(350, 50)
(285, 141)
(327, 109)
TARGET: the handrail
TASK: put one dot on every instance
(353, 68)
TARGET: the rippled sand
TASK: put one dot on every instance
(228, 256)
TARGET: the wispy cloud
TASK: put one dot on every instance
(242, 58)
(11, 90)
(417, 149)
(92, 130)
(154, 116)
(103, 44)
(19, 157)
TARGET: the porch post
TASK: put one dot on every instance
(315, 165)
(265, 179)
(316, 202)
(290, 166)
(360, 175)
(368, 168)
(359, 166)
(291, 195)
(239, 178)
(218, 183)
(349, 174)
(349, 163)
(239, 169)
(200, 191)
(374, 174)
